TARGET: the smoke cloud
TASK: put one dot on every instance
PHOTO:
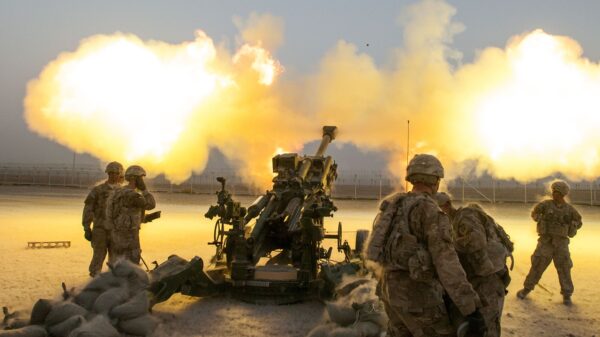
(524, 111)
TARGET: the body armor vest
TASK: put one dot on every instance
(554, 220)
(492, 258)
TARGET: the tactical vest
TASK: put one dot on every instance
(120, 213)
(554, 220)
(498, 244)
(399, 248)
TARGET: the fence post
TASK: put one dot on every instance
(525, 192)
(463, 189)
(493, 191)
(192, 183)
(380, 182)
(355, 179)
(591, 193)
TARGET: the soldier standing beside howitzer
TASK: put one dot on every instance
(557, 221)
(483, 248)
(411, 240)
(94, 212)
(126, 208)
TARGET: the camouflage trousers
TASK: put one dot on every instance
(126, 244)
(100, 245)
(414, 309)
(551, 248)
(491, 291)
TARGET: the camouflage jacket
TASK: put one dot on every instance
(94, 210)
(479, 241)
(561, 220)
(430, 227)
(126, 207)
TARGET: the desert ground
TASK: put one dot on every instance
(50, 213)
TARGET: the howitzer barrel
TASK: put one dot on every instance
(329, 133)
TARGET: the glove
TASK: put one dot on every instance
(476, 323)
(87, 234)
(140, 184)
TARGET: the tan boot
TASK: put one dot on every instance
(521, 294)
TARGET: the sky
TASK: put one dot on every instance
(33, 33)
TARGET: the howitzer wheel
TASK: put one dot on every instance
(361, 239)
(218, 237)
(339, 235)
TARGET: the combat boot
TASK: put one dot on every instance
(523, 293)
(567, 300)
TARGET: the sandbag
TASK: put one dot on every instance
(136, 306)
(28, 331)
(123, 268)
(87, 298)
(139, 326)
(322, 330)
(344, 332)
(99, 326)
(340, 314)
(371, 311)
(40, 311)
(368, 329)
(348, 287)
(110, 299)
(136, 277)
(63, 329)
(61, 311)
(104, 282)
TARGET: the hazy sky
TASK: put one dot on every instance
(32, 33)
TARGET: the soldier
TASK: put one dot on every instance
(411, 240)
(557, 221)
(482, 247)
(126, 208)
(94, 212)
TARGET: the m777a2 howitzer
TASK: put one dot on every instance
(285, 227)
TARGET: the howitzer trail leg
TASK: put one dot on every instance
(100, 244)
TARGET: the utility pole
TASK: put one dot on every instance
(407, 149)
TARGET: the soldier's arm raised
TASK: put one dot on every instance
(149, 198)
(444, 258)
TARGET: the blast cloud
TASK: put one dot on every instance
(523, 112)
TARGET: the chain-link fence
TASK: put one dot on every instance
(350, 184)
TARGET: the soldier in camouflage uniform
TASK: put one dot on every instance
(411, 240)
(482, 247)
(126, 208)
(557, 221)
(94, 212)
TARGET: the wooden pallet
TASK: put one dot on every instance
(48, 244)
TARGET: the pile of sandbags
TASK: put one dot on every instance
(357, 312)
(113, 303)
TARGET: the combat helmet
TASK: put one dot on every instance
(424, 168)
(135, 171)
(442, 198)
(560, 186)
(114, 167)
